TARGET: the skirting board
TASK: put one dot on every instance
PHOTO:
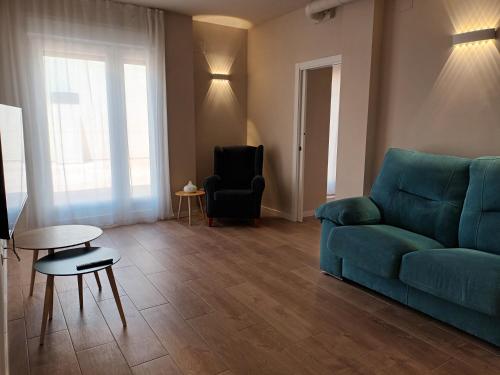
(277, 213)
(308, 213)
(265, 210)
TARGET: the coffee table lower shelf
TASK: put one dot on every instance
(65, 263)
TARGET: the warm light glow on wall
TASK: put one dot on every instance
(469, 78)
(467, 15)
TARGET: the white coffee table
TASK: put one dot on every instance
(54, 238)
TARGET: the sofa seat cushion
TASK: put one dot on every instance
(469, 278)
(233, 194)
(377, 248)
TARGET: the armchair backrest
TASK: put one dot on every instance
(480, 221)
(238, 165)
(423, 193)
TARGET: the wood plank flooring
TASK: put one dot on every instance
(233, 299)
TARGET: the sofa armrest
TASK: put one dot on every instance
(211, 184)
(350, 211)
(258, 184)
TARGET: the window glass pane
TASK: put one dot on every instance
(136, 99)
(78, 129)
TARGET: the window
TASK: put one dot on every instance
(138, 139)
(98, 127)
(90, 76)
(78, 128)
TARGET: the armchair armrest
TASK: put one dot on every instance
(350, 211)
(211, 184)
(258, 184)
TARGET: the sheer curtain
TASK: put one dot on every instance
(90, 77)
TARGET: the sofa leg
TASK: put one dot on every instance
(210, 222)
(256, 222)
(334, 276)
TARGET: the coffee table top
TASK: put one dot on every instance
(63, 263)
(182, 193)
(57, 237)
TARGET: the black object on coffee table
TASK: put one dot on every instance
(67, 263)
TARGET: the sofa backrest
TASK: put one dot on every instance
(423, 193)
(480, 221)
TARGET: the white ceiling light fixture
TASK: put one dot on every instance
(323, 10)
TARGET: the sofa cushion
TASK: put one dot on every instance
(233, 194)
(423, 193)
(480, 221)
(377, 248)
(469, 278)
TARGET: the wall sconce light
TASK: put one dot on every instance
(220, 77)
(474, 36)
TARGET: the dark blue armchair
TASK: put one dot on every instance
(235, 190)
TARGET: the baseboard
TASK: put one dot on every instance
(195, 212)
(277, 213)
(308, 213)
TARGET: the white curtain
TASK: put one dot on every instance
(90, 77)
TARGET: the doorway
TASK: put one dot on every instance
(316, 134)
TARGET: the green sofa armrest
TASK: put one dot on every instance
(350, 211)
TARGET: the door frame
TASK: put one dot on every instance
(299, 128)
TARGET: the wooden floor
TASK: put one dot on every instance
(232, 299)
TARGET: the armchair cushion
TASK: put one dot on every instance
(350, 211)
(233, 194)
(237, 165)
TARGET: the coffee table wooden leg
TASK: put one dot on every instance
(33, 272)
(179, 209)
(189, 209)
(51, 302)
(111, 278)
(49, 295)
(201, 207)
(97, 280)
(80, 290)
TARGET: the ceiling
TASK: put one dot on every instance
(253, 11)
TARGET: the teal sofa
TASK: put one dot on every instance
(428, 236)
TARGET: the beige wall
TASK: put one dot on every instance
(220, 106)
(180, 100)
(434, 97)
(273, 50)
(317, 120)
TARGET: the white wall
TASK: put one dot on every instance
(435, 97)
(273, 50)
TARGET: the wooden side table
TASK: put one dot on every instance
(199, 194)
